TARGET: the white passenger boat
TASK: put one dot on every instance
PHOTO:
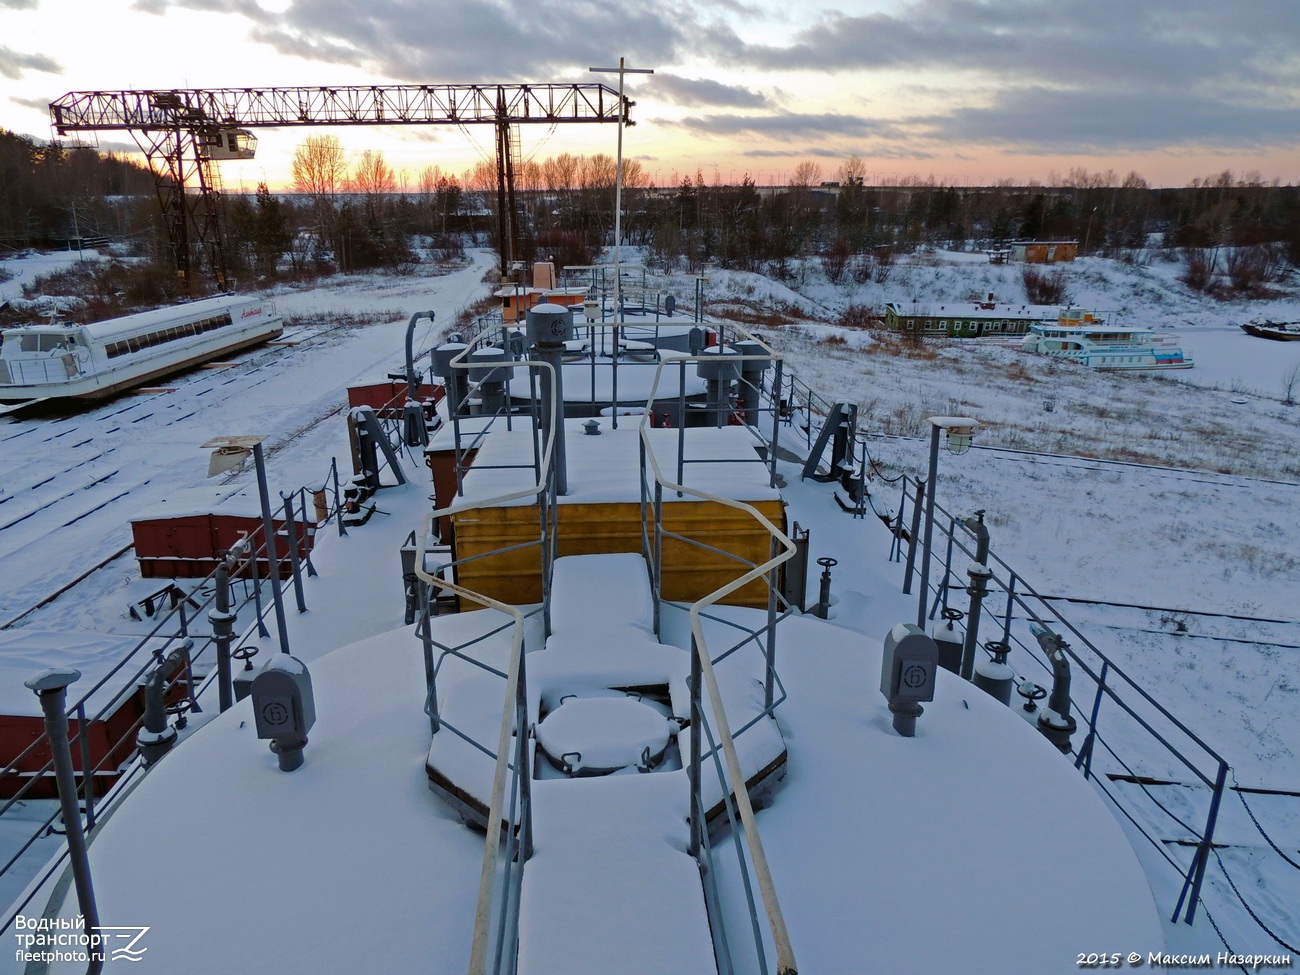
(87, 362)
(1087, 339)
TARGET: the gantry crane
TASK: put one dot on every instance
(182, 131)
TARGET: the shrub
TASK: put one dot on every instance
(1044, 287)
(1199, 270)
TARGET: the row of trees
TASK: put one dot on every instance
(358, 214)
(51, 193)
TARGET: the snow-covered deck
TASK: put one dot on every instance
(973, 847)
(606, 468)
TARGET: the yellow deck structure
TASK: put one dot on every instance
(602, 514)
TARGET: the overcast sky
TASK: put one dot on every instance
(969, 91)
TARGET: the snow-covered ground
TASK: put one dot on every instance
(1176, 492)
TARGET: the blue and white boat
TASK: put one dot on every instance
(1086, 338)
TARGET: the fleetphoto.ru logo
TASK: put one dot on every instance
(59, 939)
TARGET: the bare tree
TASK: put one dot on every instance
(807, 174)
(560, 173)
(853, 171)
(319, 171)
(1290, 379)
(319, 168)
(373, 176)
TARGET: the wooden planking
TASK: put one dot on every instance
(689, 571)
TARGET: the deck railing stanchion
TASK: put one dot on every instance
(697, 715)
(1084, 760)
(294, 568)
(775, 397)
(911, 541)
(87, 765)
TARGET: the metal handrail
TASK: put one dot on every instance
(786, 964)
(479, 948)
(1018, 592)
(77, 708)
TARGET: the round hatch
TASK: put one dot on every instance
(599, 735)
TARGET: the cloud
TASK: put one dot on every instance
(40, 104)
(249, 8)
(1072, 75)
(18, 4)
(488, 40)
(786, 126)
(1166, 43)
(14, 63)
(109, 145)
(702, 91)
(885, 151)
(1038, 119)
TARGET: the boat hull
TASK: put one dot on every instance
(1278, 333)
(102, 385)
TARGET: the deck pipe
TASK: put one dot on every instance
(51, 687)
(222, 616)
(979, 574)
(549, 326)
(846, 432)
(156, 737)
(415, 432)
(492, 377)
(718, 374)
(453, 379)
(948, 640)
(995, 677)
(751, 378)
(1056, 723)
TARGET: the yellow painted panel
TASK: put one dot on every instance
(690, 572)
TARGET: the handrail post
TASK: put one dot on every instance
(659, 550)
(306, 555)
(423, 629)
(338, 497)
(1011, 602)
(1084, 760)
(294, 569)
(947, 564)
(272, 561)
(1206, 844)
(775, 397)
(262, 631)
(697, 715)
(931, 489)
(911, 540)
(681, 424)
(523, 771)
(87, 771)
(772, 584)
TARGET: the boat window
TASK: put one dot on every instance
(30, 343)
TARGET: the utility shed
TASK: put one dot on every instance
(602, 512)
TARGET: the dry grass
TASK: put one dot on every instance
(362, 318)
(1017, 373)
(893, 344)
(763, 314)
(470, 313)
